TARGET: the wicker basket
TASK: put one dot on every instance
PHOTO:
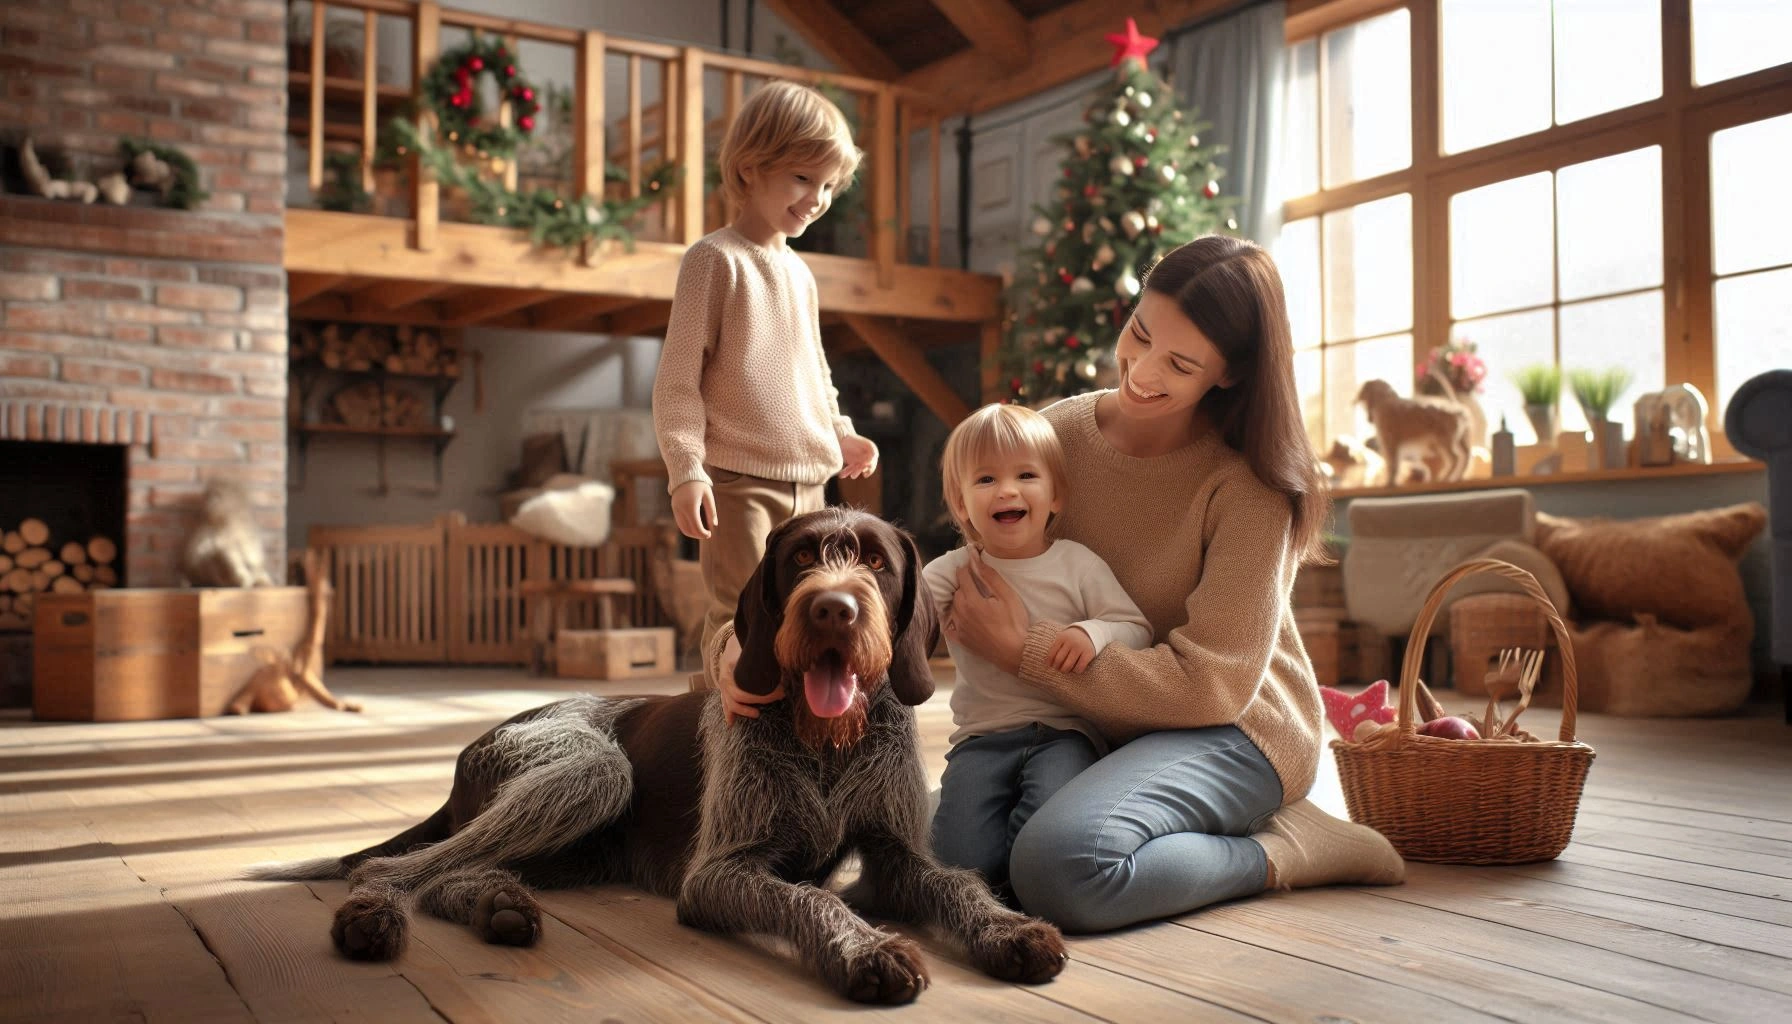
(1510, 800)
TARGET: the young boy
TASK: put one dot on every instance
(745, 410)
(1003, 475)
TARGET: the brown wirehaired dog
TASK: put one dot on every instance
(1417, 421)
(742, 824)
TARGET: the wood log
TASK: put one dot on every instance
(5, 564)
(105, 575)
(66, 585)
(18, 581)
(98, 585)
(40, 581)
(83, 572)
(402, 409)
(358, 405)
(53, 568)
(25, 605)
(5, 602)
(102, 550)
(31, 558)
(35, 531)
(73, 553)
(12, 543)
(10, 621)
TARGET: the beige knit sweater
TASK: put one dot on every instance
(1202, 546)
(742, 383)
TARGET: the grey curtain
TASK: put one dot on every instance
(1231, 71)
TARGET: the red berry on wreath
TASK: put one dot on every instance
(510, 71)
(462, 75)
(528, 94)
(477, 64)
(526, 124)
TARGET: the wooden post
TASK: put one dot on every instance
(904, 181)
(669, 138)
(909, 365)
(883, 188)
(690, 138)
(318, 9)
(426, 45)
(933, 191)
(370, 95)
(507, 117)
(588, 128)
(634, 125)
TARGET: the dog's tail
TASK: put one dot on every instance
(432, 829)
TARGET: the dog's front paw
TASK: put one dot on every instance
(370, 926)
(507, 915)
(1026, 950)
(890, 972)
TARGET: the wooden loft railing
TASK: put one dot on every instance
(890, 116)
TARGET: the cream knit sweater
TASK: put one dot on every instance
(742, 383)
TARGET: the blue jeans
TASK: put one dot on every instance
(992, 786)
(1156, 828)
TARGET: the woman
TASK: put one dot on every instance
(1196, 482)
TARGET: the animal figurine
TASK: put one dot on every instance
(1402, 421)
(225, 549)
(1351, 463)
(1670, 427)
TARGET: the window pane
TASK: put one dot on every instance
(1502, 243)
(1609, 212)
(1608, 55)
(1299, 163)
(1751, 205)
(1734, 37)
(1605, 333)
(1754, 330)
(1496, 70)
(1368, 269)
(1310, 386)
(1297, 256)
(1368, 98)
(1347, 367)
(1507, 343)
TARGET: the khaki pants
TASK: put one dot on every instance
(748, 509)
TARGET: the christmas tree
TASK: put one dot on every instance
(1136, 182)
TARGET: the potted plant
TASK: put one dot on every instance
(1597, 391)
(1540, 385)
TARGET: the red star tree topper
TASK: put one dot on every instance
(1130, 44)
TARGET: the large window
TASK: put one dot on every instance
(1584, 183)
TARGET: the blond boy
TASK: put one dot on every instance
(745, 409)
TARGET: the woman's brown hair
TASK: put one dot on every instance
(1231, 290)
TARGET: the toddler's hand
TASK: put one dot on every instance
(737, 702)
(1072, 650)
(694, 504)
(860, 455)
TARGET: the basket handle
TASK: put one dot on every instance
(1421, 627)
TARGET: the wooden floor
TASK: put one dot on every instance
(118, 844)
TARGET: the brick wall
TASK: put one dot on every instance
(161, 329)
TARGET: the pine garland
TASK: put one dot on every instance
(186, 192)
(1136, 182)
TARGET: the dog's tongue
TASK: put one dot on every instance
(829, 687)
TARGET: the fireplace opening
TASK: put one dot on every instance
(62, 518)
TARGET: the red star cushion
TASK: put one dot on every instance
(1130, 44)
(1345, 710)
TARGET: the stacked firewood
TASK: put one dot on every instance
(369, 405)
(403, 348)
(32, 564)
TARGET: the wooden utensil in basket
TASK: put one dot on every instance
(1508, 799)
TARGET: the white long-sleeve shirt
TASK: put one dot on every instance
(1068, 583)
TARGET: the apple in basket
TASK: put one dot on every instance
(1450, 727)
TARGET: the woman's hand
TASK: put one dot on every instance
(736, 701)
(993, 627)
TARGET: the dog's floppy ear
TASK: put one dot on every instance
(758, 616)
(917, 632)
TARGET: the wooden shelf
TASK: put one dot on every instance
(1682, 470)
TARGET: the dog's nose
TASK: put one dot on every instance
(834, 609)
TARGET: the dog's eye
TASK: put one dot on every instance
(805, 557)
(875, 561)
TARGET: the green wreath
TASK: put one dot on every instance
(448, 92)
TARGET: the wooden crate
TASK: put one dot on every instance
(136, 654)
(615, 653)
(1320, 633)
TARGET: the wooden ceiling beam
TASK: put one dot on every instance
(910, 366)
(480, 305)
(389, 296)
(1064, 45)
(640, 321)
(992, 26)
(571, 310)
(301, 288)
(835, 36)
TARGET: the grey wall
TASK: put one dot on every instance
(1636, 499)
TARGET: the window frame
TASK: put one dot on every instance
(1682, 121)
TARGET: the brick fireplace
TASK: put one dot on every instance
(161, 331)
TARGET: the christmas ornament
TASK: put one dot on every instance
(1087, 369)
(1128, 286)
(1151, 222)
(1121, 166)
(1082, 149)
(1081, 285)
(1103, 256)
(1073, 343)
(1121, 118)
(1064, 275)
(1194, 141)
(1211, 189)
(1130, 45)
(1088, 233)
(1132, 222)
(1168, 172)
(1041, 226)
(1145, 100)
